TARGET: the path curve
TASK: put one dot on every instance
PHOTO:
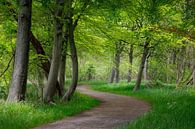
(114, 111)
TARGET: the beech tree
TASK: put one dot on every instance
(119, 46)
(19, 77)
(146, 49)
(53, 74)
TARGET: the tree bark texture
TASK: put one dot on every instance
(74, 57)
(19, 77)
(117, 66)
(56, 53)
(62, 69)
(38, 47)
(112, 75)
(115, 74)
(143, 60)
(145, 71)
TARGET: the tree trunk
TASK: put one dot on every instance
(116, 68)
(181, 66)
(40, 78)
(38, 47)
(45, 63)
(19, 77)
(62, 69)
(56, 54)
(112, 75)
(117, 65)
(144, 57)
(39, 50)
(61, 74)
(174, 57)
(129, 77)
(145, 71)
(74, 57)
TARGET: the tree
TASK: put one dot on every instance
(73, 50)
(38, 48)
(143, 60)
(56, 53)
(19, 78)
(130, 54)
(119, 46)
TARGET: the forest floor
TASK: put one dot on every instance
(113, 112)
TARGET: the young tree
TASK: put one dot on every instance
(73, 51)
(19, 78)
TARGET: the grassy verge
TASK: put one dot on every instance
(28, 115)
(171, 108)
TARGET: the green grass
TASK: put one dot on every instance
(171, 108)
(28, 115)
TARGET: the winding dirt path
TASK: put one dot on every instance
(114, 111)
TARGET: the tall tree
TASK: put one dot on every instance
(19, 78)
(143, 60)
(62, 68)
(130, 54)
(56, 53)
(115, 70)
(73, 51)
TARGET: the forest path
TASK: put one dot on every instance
(114, 111)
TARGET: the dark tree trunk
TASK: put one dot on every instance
(112, 75)
(56, 54)
(62, 69)
(39, 49)
(129, 77)
(74, 59)
(74, 56)
(144, 57)
(145, 71)
(19, 78)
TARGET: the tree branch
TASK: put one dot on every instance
(81, 13)
(190, 34)
(8, 65)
